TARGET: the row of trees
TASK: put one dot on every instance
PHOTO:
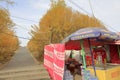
(8, 42)
(58, 22)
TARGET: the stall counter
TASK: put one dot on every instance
(112, 72)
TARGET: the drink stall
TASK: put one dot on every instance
(107, 68)
(97, 54)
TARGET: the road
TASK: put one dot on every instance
(21, 58)
(23, 67)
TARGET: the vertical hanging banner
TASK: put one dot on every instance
(54, 60)
(48, 59)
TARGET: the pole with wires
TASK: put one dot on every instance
(91, 9)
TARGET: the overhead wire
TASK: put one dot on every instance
(95, 17)
(11, 2)
(111, 27)
(79, 7)
(88, 12)
(21, 37)
(20, 26)
(23, 18)
(26, 28)
(17, 25)
(15, 36)
(91, 8)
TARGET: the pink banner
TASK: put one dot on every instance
(54, 60)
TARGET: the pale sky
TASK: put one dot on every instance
(108, 11)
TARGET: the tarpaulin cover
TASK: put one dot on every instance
(54, 60)
(75, 44)
(114, 54)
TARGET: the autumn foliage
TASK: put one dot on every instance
(8, 43)
(58, 22)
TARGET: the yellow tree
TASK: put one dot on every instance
(8, 42)
(59, 22)
(5, 21)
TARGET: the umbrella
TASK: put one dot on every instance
(89, 33)
(98, 33)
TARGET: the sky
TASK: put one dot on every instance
(25, 13)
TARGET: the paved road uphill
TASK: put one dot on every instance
(23, 67)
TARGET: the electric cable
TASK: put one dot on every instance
(91, 8)
(24, 19)
(22, 37)
(89, 13)
(100, 20)
(17, 25)
(79, 7)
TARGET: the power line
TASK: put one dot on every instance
(24, 19)
(11, 2)
(29, 30)
(89, 13)
(79, 7)
(91, 8)
(111, 28)
(95, 17)
(22, 27)
(23, 37)
(15, 36)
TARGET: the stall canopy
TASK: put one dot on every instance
(97, 37)
(98, 33)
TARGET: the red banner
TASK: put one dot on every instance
(54, 57)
